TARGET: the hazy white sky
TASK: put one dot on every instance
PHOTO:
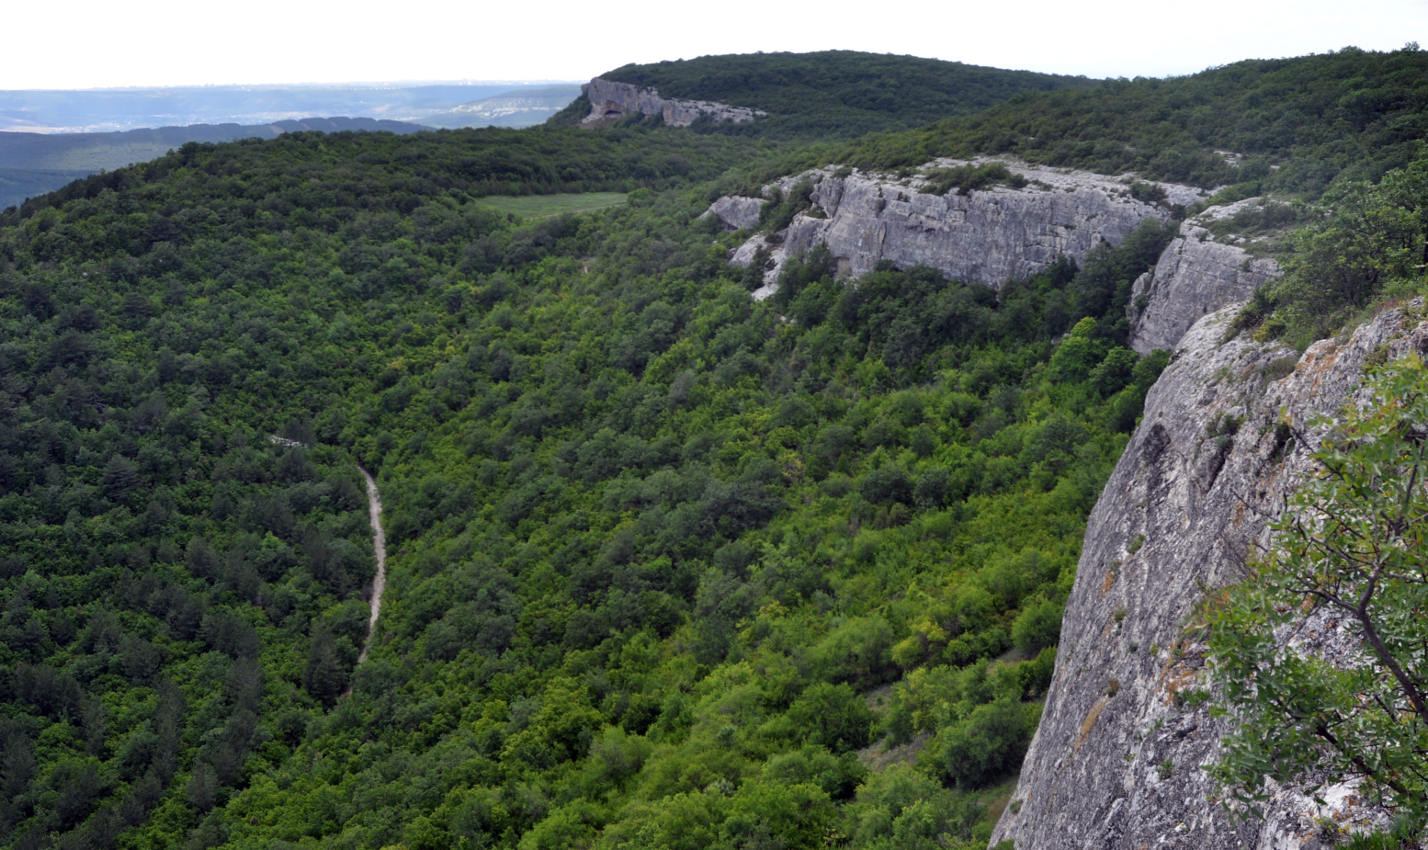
(102, 43)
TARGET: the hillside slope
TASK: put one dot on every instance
(652, 548)
(1282, 124)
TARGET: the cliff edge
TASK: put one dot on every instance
(1196, 275)
(986, 235)
(1120, 756)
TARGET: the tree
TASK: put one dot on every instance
(832, 716)
(324, 676)
(1319, 656)
(988, 743)
(1368, 237)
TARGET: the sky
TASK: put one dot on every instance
(115, 43)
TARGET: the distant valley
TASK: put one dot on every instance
(111, 110)
(48, 138)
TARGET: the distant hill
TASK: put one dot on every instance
(838, 92)
(521, 107)
(48, 138)
(17, 184)
(34, 163)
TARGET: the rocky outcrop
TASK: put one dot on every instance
(1120, 756)
(986, 236)
(610, 101)
(737, 212)
(1196, 275)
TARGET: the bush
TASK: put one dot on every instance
(969, 177)
(832, 716)
(886, 485)
(988, 744)
(1350, 546)
(1037, 626)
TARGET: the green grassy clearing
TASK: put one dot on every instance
(544, 206)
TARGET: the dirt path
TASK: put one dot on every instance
(379, 544)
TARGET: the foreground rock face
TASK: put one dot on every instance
(611, 101)
(985, 236)
(1195, 276)
(1119, 758)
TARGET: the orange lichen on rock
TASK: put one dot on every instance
(1090, 721)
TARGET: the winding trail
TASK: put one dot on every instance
(379, 545)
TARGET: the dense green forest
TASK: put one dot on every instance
(1287, 125)
(668, 567)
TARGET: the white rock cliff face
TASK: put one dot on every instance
(1119, 757)
(995, 235)
(737, 213)
(984, 236)
(1195, 276)
(611, 101)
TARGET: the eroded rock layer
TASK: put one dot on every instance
(1195, 276)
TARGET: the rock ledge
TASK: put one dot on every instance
(611, 101)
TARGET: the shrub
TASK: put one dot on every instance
(988, 744)
(1037, 626)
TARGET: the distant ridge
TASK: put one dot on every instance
(839, 92)
(109, 110)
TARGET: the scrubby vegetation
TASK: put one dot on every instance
(965, 178)
(654, 547)
(1363, 242)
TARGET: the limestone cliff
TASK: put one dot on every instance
(611, 101)
(987, 235)
(999, 234)
(1119, 757)
(1196, 275)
